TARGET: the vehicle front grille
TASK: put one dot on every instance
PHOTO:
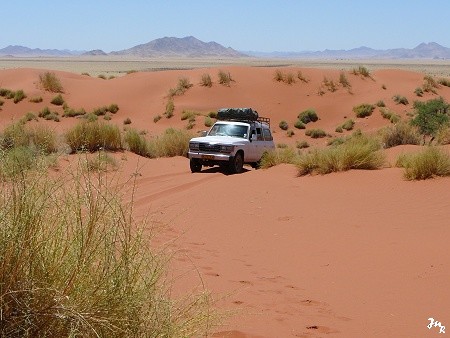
(211, 148)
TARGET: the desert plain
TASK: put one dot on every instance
(362, 253)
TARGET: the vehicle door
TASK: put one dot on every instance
(258, 144)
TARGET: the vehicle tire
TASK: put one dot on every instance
(237, 164)
(196, 165)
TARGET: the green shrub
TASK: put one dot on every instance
(399, 134)
(6, 93)
(50, 82)
(188, 115)
(283, 125)
(127, 121)
(316, 133)
(43, 138)
(100, 111)
(428, 163)
(212, 114)
(431, 116)
(57, 100)
(14, 136)
(339, 129)
(400, 99)
(76, 263)
(380, 103)
(30, 116)
(307, 116)
(113, 108)
(358, 152)
(206, 80)
(19, 95)
(93, 136)
(363, 110)
(278, 156)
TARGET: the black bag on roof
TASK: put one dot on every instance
(247, 114)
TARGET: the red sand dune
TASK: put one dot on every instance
(354, 254)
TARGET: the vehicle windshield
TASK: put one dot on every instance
(229, 130)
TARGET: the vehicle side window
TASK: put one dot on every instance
(259, 136)
(267, 135)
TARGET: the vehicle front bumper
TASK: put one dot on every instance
(210, 158)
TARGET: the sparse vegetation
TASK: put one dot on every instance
(70, 112)
(283, 125)
(137, 143)
(357, 152)
(302, 144)
(444, 82)
(206, 80)
(50, 82)
(170, 108)
(208, 121)
(57, 100)
(390, 115)
(363, 110)
(19, 95)
(278, 156)
(127, 121)
(157, 118)
(301, 77)
(93, 136)
(399, 99)
(183, 85)
(399, 134)
(290, 133)
(315, 133)
(418, 91)
(344, 81)
(426, 164)
(307, 116)
(36, 99)
(225, 78)
(431, 116)
(348, 125)
(362, 71)
(76, 263)
(299, 124)
(329, 84)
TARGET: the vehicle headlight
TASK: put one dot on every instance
(226, 149)
(194, 146)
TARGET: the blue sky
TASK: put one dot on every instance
(259, 25)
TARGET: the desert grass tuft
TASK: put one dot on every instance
(76, 263)
(357, 152)
(50, 82)
(399, 134)
(278, 156)
(428, 163)
(363, 110)
(93, 136)
(225, 79)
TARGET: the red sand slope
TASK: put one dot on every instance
(355, 254)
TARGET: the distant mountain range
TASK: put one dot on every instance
(192, 47)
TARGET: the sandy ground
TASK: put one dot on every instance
(354, 254)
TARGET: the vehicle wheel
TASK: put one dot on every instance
(196, 165)
(237, 164)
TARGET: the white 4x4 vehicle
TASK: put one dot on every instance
(239, 136)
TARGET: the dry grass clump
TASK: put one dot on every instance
(19, 95)
(170, 108)
(283, 125)
(183, 85)
(399, 134)
(307, 116)
(224, 78)
(206, 80)
(301, 77)
(76, 263)
(426, 164)
(443, 135)
(390, 115)
(363, 110)
(93, 136)
(288, 78)
(315, 133)
(357, 152)
(444, 82)
(362, 71)
(399, 99)
(40, 139)
(278, 156)
(343, 80)
(57, 100)
(50, 82)
(36, 99)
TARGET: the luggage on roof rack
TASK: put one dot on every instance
(246, 114)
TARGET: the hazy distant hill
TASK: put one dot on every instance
(33, 52)
(181, 47)
(192, 47)
(430, 50)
